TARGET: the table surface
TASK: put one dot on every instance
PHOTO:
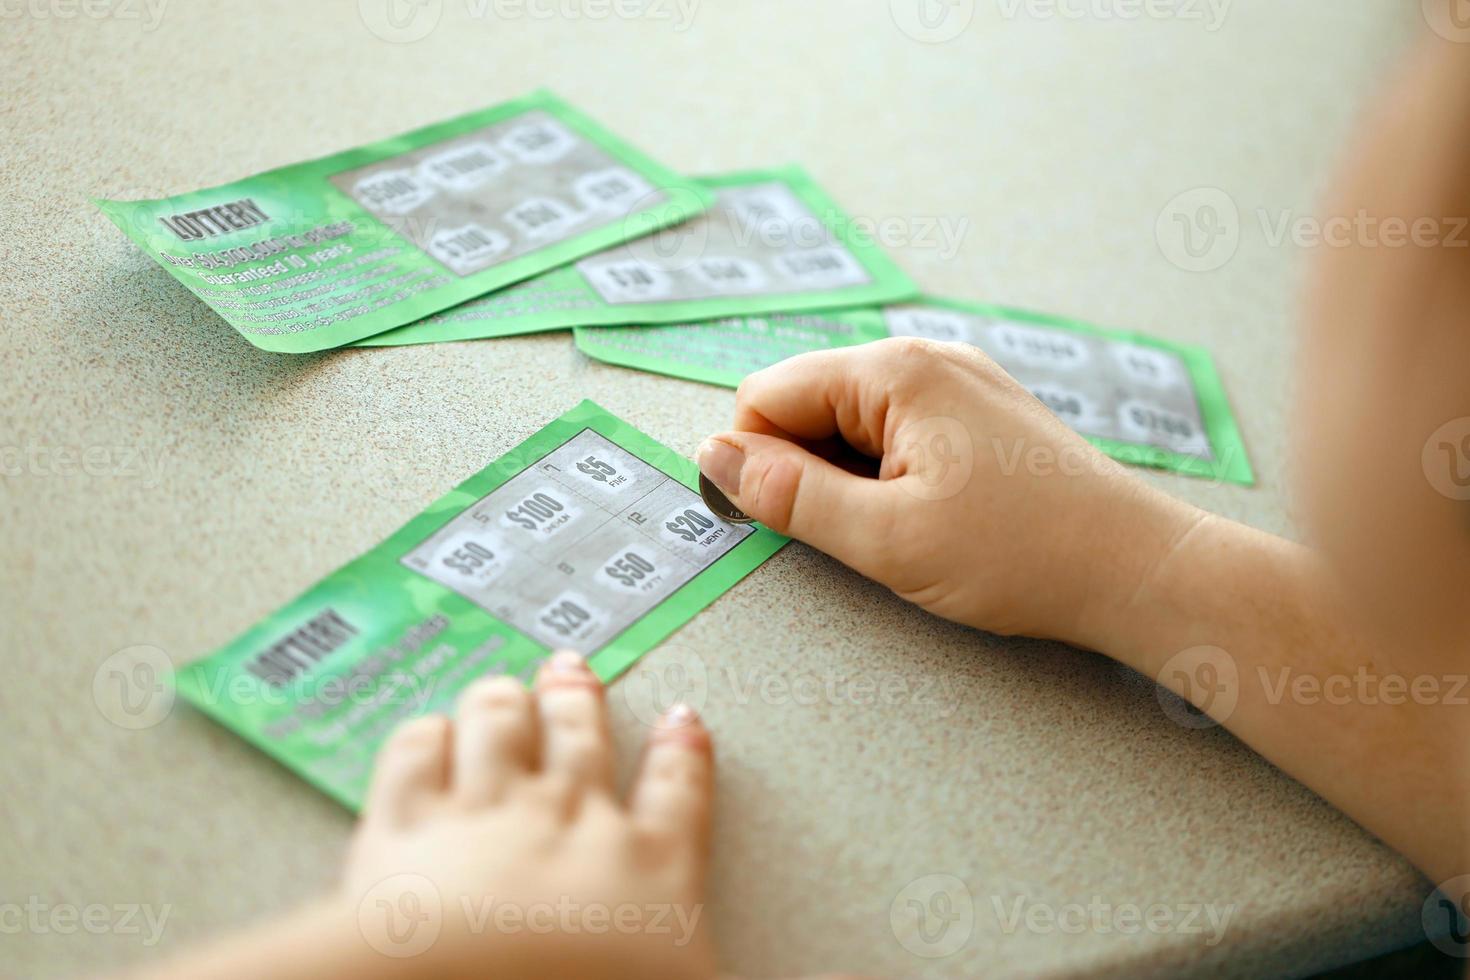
(234, 479)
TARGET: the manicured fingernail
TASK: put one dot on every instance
(722, 463)
(566, 661)
(679, 715)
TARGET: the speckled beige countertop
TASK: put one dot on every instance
(1025, 770)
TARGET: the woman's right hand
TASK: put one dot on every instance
(984, 508)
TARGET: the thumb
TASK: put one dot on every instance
(793, 492)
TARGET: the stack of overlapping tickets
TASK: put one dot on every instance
(530, 217)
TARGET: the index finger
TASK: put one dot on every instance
(816, 396)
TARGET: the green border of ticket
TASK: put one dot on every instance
(890, 284)
(313, 200)
(375, 589)
(1231, 464)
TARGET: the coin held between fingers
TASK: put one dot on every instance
(716, 501)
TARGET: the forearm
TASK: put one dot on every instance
(398, 939)
(322, 940)
(369, 940)
(1376, 732)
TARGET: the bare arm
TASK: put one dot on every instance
(1255, 631)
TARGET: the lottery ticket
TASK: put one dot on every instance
(323, 253)
(589, 536)
(772, 241)
(1141, 400)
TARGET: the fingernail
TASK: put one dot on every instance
(566, 661)
(679, 715)
(722, 462)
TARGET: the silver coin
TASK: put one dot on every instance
(716, 501)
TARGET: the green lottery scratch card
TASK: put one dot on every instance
(1141, 400)
(323, 253)
(589, 535)
(773, 241)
